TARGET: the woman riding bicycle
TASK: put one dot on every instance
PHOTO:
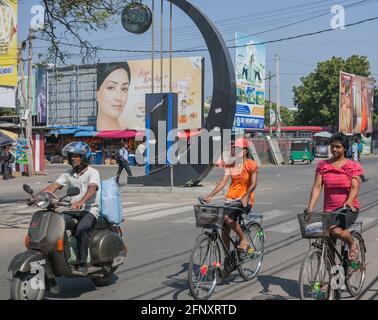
(243, 184)
(341, 179)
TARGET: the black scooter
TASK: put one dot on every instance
(52, 250)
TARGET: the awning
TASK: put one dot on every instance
(66, 130)
(85, 134)
(323, 134)
(12, 135)
(63, 131)
(119, 134)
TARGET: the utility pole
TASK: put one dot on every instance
(29, 128)
(278, 100)
(270, 104)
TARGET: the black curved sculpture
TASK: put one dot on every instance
(222, 111)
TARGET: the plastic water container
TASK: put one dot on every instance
(314, 228)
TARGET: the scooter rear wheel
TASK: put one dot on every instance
(22, 289)
(106, 279)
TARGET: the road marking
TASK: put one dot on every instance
(264, 203)
(285, 227)
(156, 215)
(299, 205)
(139, 209)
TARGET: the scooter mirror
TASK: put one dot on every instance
(27, 189)
(73, 192)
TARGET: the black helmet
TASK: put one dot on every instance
(78, 147)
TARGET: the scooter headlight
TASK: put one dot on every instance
(43, 201)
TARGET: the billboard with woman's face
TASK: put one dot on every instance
(122, 87)
(113, 83)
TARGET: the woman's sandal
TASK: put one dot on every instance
(353, 253)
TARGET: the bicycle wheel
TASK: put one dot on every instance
(355, 271)
(315, 277)
(252, 260)
(204, 265)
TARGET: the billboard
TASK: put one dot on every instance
(250, 78)
(356, 104)
(122, 89)
(8, 43)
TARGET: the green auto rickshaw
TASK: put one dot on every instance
(303, 151)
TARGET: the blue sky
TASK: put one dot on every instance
(299, 57)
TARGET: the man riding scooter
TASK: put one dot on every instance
(87, 179)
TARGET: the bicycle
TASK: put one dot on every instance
(205, 261)
(321, 277)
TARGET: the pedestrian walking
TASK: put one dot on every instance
(123, 161)
(356, 156)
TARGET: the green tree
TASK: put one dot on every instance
(317, 98)
(287, 116)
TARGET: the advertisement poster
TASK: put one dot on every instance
(22, 150)
(346, 103)
(8, 43)
(250, 78)
(41, 95)
(356, 104)
(121, 90)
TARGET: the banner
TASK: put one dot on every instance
(356, 104)
(41, 95)
(8, 43)
(122, 87)
(250, 78)
(22, 151)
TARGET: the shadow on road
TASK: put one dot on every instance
(291, 287)
(71, 288)
(181, 284)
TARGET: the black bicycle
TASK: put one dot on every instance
(325, 271)
(205, 266)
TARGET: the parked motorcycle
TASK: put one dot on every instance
(52, 249)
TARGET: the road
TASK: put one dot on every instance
(160, 233)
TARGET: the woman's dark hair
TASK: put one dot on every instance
(342, 138)
(105, 69)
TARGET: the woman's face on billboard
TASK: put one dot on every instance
(113, 93)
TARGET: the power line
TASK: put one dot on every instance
(230, 47)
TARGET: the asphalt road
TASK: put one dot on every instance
(160, 233)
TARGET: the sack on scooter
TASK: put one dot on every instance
(111, 204)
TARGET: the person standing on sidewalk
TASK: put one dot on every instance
(9, 159)
(123, 161)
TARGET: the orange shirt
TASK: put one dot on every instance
(241, 180)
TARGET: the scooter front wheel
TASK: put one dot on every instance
(25, 286)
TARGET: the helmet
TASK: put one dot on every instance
(241, 143)
(78, 147)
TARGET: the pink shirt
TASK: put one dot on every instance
(337, 183)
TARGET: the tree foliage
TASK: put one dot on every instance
(71, 20)
(317, 98)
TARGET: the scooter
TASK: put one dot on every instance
(52, 249)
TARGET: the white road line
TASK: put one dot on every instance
(299, 205)
(285, 227)
(366, 220)
(156, 215)
(264, 203)
(138, 209)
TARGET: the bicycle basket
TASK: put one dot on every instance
(208, 216)
(315, 227)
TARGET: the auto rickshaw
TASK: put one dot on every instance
(303, 151)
